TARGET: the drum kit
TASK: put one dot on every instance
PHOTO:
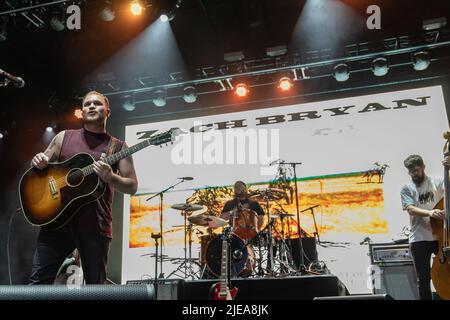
(253, 252)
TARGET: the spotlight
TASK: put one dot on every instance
(341, 72)
(136, 8)
(380, 67)
(78, 113)
(107, 13)
(169, 12)
(276, 51)
(57, 23)
(159, 98)
(167, 16)
(129, 103)
(434, 24)
(285, 84)
(421, 60)
(3, 134)
(233, 56)
(49, 129)
(3, 33)
(241, 90)
(190, 94)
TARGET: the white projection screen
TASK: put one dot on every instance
(337, 142)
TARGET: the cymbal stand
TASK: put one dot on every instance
(161, 200)
(188, 263)
(285, 257)
(156, 237)
(302, 267)
(269, 235)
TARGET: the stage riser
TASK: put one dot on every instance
(293, 288)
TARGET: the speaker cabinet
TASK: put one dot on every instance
(85, 292)
(397, 280)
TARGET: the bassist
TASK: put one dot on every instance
(419, 198)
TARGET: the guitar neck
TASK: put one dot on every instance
(224, 268)
(120, 155)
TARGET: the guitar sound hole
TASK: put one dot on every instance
(75, 177)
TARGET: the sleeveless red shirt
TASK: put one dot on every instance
(95, 217)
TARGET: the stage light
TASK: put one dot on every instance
(57, 23)
(380, 67)
(128, 103)
(107, 13)
(78, 113)
(49, 129)
(159, 98)
(421, 60)
(233, 56)
(434, 24)
(3, 33)
(3, 134)
(341, 72)
(190, 94)
(241, 90)
(136, 8)
(285, 84)
(167, 16)
(276, 51)
(169, 12)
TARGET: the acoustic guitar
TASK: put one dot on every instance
(51, 197)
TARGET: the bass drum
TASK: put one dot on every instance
(239, 256)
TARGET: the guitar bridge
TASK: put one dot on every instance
(53, 188)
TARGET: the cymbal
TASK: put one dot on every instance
(187, 207)
(271, 193)
(206, 220)
(282, 215)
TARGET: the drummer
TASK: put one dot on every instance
(242, 201)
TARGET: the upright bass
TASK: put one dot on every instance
(440, 271)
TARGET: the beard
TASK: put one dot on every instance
(418, 179)
(98, 119)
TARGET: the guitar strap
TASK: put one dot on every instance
(111, 148)
(113, 142)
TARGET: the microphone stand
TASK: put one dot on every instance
(161, 200)
(302, 267)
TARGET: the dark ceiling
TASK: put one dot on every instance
(54, 64)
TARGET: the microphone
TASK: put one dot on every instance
(17, 81)
(186, 178)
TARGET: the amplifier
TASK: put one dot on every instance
(167, 289)
(391, 253)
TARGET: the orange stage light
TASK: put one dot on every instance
(78, 113)
(285, 84)
(241, 90)
(136, 8)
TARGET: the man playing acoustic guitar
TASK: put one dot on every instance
(90, 229)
